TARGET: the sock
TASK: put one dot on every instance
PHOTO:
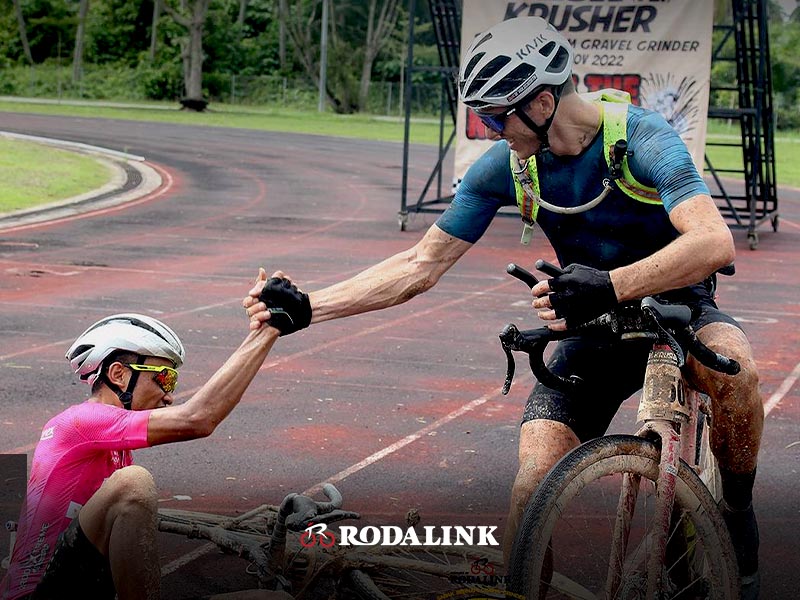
(737, 488)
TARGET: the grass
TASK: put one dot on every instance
(423, 131)
(787, 152)
(33, 174)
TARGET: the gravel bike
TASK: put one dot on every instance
(288, 550)
(626, 516)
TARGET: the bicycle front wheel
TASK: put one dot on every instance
(584, 534)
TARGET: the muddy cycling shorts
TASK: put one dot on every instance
(612, 371)
(76, 570)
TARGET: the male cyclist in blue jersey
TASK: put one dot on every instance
(655, 231)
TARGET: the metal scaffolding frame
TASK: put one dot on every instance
(745, 202)
(751, 198)
(446, 20)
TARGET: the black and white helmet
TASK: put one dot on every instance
(131, 332)
(511, 60)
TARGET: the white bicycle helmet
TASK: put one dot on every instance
(131, 332)
(511, 60)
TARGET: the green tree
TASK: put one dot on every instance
(117, 31)
(191, 15)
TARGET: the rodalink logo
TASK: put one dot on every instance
(317, 535)
(391, 535)
(481, 572)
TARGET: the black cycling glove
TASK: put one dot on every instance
(581, 294)
(290, 309)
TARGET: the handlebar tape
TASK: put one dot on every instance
(523, 275)
(548, 268)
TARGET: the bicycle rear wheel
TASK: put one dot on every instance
(421, 573)
(563, 547)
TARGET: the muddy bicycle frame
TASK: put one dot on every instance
(669, 411)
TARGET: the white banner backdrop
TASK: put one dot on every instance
(657, 50)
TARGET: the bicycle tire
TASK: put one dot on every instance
(419, 573)
(364, 587)
(614, 456)
(705, 459)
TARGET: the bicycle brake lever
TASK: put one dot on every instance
(507, 338)
(512, 366)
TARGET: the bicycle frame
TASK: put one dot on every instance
(669, 411)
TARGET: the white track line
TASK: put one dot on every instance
(392, 448)
(186, 559)
(782, 390)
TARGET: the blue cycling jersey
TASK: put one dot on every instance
(617, 232)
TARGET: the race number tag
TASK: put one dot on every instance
(527, 234)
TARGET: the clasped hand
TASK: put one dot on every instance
(277, 302)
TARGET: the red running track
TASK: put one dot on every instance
(401, 408)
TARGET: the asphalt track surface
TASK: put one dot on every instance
(401, 408)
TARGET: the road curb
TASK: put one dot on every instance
(132, 178)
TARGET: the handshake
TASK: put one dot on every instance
(289, 309)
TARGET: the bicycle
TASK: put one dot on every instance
(289, 551)
(591, 530)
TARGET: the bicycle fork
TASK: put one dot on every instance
(663, 408)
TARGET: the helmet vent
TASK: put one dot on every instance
(487, 73)
(483, 40)
(513, 80)
(471, 65)
(547, 49)
(559, 63)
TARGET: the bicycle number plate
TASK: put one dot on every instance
(663, 394)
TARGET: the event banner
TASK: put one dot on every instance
(657, 50)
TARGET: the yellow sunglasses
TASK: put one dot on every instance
(165, 377)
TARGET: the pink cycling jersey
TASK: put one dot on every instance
(79, 449)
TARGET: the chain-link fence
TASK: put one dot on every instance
(102, 82)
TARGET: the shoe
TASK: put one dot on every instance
(743, 530)
(750, 586)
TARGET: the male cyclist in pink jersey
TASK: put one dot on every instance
(88, 529)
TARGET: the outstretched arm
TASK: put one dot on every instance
(200, 415)
(392, 281)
